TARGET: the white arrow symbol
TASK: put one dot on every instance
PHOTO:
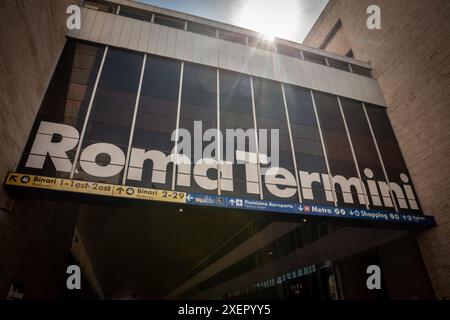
(189, 198)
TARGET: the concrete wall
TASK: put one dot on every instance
(34, 239)
(142, 36)
(410, 58)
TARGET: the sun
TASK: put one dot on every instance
(273, 18)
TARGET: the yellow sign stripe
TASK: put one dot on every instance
(95, 188)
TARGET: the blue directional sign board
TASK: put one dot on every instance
(27, 181)
(308, 209)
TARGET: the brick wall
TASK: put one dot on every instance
(340, 43)
(31, 39)
(35, 237)
(410, 57)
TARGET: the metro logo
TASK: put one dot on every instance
(279, 181)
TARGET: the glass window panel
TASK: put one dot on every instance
(199, 104)
(113, 107)
(103, 131)
(84, 61)
(100, 6)
(362, 141)
(135, 13)
(162, 105)
(236, 112)
(115, 97)
(201, 29)
(169, 21)
(233, 37)
(269, 103)
(361, 71)
(164, 92)
(260, 43)
(335, 139)
(81, 76)
(157, 112)
(201, 84)
(306, 138)
(338, 64)
(309, 162)
(288, 51)
(390, 151)
(307, 146)
(67, 97)
(305, 131)
(312, 57)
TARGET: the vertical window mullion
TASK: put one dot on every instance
(256, 139)
(133, 124)
(86, 119)
(350, 68)
(292, 143)
(363, 188)
(219, 135)
(180, 91)
(324, 150)
(380, 157)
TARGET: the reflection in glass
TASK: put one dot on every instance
(67, 97)
(156, 116)
(271, 115)
(112, 111)
(395, 166)
(199, 103)
(339, 151)
(306, 138)
(236, 112)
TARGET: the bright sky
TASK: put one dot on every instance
(287, 19)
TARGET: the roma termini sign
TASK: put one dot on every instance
(54, 142)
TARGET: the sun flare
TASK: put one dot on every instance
(271, 18)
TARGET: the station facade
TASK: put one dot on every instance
(315, 166)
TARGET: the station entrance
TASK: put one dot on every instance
(149, 250)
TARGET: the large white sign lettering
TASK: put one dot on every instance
(54, 141)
